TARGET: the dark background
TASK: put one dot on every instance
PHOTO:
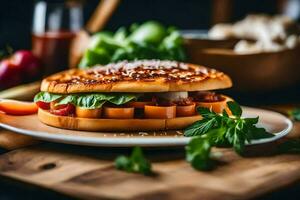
(16, 15)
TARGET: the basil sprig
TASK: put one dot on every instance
(86, 100)
(220, 130)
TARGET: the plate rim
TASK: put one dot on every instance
(127, 142)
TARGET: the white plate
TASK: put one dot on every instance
(30, 125)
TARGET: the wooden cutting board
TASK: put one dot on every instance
(86, 172)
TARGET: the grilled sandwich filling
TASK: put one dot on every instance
(162, 105)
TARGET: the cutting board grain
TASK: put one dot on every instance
(10, 140)
(86, 172)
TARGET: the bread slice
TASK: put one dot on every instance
(89, 124)
(138, 76)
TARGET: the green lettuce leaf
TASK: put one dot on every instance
(88, 100)
(150, 40)
(46, 97)
(120, 99)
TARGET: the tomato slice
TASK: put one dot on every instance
(118, 113)
(43, 105)
(88, 113)
(187, 110)
(54, 106)
(64, 110)
(217, 106)
(13, 107)
(140, 104)
(160, 112)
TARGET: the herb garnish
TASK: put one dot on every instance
(198, 153)
(135, 163)
(213, 130)
(220, 130)
(295, 114)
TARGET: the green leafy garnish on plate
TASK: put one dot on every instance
(295, 114)
(198, 153)
(135, 163)
(217, 129)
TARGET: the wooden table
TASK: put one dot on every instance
(88, 172)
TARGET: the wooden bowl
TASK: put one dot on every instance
(259, 72)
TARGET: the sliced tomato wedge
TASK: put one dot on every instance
(186, 110)
(88, 113)
(54, 106)
(13, 107)
(43, 105)
(160, 112)
(118, 113)
(64, 110)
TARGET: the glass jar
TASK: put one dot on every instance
(55, 24)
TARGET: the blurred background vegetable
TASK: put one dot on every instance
(150, 40)
(17, 68)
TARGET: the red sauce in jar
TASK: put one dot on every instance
(52, 48)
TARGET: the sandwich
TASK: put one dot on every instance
(140, 95)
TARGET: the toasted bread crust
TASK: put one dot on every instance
(88, 124)
(139, 76)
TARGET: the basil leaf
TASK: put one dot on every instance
(46, 97)
(216, 136)
(234, 108)
(122, 99)
(140, 163)
(238, 141)
(224, 113)
(87, 101)
(209, 121)
(68, 99)
(218, 129)
(90, 101)
(259, 133)
(122, 163)
(254, 132)
(205, 112)
(198, 153)
(136, 163)
(251, 121)
(200, 127)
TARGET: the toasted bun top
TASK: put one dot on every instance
(138, 76)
